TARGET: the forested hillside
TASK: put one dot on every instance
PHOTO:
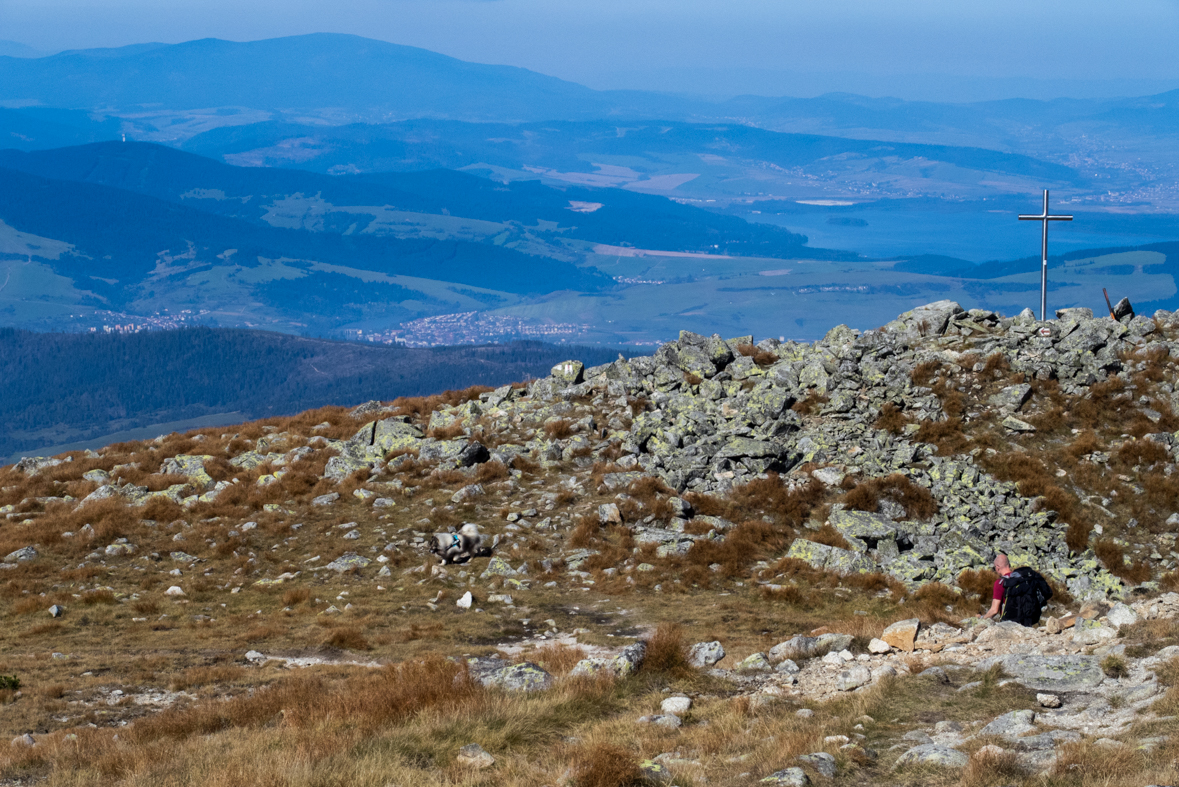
(59, 387)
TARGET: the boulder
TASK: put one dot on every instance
(347, 562)
(933, 754)
(1048, 700)
(677, 706)
(878, 646)
(1012, 398)
(22, 555)
(853, 677)
(627, 662)
(568, 372)
(821, 761)
(1011, 725)
(473, 756)
(525, 676)
(831, 558)
(669, 721)
(705, 654)
(787, 777)
(1050, 673)
(756, 662)
(1121, 615)
(902, 635)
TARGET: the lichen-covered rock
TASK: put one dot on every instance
(787, 777)
(525, 676)
(627, 662)
(347, 562)
(1011, 725)
(22, 555)
(853, 677)
(191, 467)
(830, 558)
(934, 754)
(1050, 673)
(705, 654)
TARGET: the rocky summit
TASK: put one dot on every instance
(732, 561)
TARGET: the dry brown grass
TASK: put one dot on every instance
(760, 357)
(605, 765)
(828, 535)
(557, 658)
(667, 652)
(918, 502)
(979, 583)
(295, 596)
(348, 638)
(923, 373)
(559, 429)
(892, 419)
(810, 404)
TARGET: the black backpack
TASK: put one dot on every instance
(1026, 595)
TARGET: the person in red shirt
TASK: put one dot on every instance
(1002, 568)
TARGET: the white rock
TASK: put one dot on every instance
(1048, 700)
(175, 590)
(677, 706)
(473, 756)
(1121, 615)
(465, 601)
(878, 646)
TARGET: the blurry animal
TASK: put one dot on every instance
(461, 546)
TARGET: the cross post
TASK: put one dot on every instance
(1044, 218)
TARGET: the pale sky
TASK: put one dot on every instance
(765, 46)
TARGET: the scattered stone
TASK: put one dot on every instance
(1011, 725)
(347, 562)
(473, 756)
(821, 761)
(175, 591)
(933, 754)
(465, 601)
(1016, 425)
(627, 662)
(756, 662)
(325, 500)
(878, 646)
(23, 741)
(525, 676)
(677, 706)
(662, 720)
(1048, 700)
(1121, 615)
(705, 654)
(787, 777)
(21, 555)
(854, 677)
(56, 611)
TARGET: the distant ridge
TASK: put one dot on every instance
(321, 70)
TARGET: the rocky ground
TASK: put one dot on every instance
(727, 562)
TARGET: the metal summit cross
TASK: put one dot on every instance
(1045, 218)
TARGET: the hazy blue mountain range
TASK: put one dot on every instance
(344, 184)
(353, 76)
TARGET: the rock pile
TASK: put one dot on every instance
(718, 412)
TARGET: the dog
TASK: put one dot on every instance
(459, 547)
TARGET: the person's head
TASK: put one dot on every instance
(1002, 565)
